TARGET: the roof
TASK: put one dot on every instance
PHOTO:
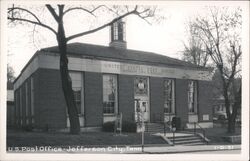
(122, 55)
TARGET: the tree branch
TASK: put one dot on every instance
(53, 12)
(101, 27)
(22, 9)
(33, 22)
(83, 9)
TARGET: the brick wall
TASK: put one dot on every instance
(156, 99)
(49, 103)
(17, 108)
(93, 99)
(181, 96)
(204, 100)
(126, 96)
(23, 104)
(29, 100)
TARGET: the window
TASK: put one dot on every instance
(115, 31)
(118, 31)
(169, 103)
(110, 94)
(192, 97)
(141, 86)
(76, 78)
(121, 31)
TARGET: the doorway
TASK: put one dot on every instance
(141, 96)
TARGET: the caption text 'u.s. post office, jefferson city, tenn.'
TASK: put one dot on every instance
(108, 80)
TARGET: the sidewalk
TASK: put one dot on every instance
(135, 149)
(159, 149)
(191, 149)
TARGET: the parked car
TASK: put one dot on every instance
(219, 116)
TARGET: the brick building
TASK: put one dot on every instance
(108, 80)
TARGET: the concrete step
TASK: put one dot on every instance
(187, 139)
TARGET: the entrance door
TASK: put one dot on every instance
(141, 91)
(142, 109)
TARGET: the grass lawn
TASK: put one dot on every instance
(29, 139)
(217, 134)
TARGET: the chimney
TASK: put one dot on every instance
(117, 35)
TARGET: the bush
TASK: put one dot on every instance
(28, 128)
(108, 126)
(126, 126)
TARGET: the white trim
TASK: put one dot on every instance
(201, 124)
(31, 68)
(51, 61)
(109, 118)
(192, 118)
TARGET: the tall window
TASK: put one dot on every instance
(192, 97)
(169, 103)
(76, 78)
(118, 31)
(110, 94)
(121, 31)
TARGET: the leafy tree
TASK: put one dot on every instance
(58, 12)
(219, 30)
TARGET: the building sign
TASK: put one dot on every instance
(147, 70)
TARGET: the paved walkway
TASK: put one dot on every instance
(161, 149)
(192, 149)
(155, 149)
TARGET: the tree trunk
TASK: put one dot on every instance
(231, 125)
(236, 106)
(66, 81)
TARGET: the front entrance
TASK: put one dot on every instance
(141, 95)
(142, 106)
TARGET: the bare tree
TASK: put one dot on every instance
(10, 76)
(195, 51)
(58, 12)
(219, 30)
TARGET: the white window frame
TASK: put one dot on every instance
(116, 94)
(81, 87)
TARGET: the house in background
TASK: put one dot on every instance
(109, 80)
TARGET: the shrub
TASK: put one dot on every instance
(108, 126)
(126, 126)
(28, 128)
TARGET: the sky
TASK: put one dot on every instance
(164, 38)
